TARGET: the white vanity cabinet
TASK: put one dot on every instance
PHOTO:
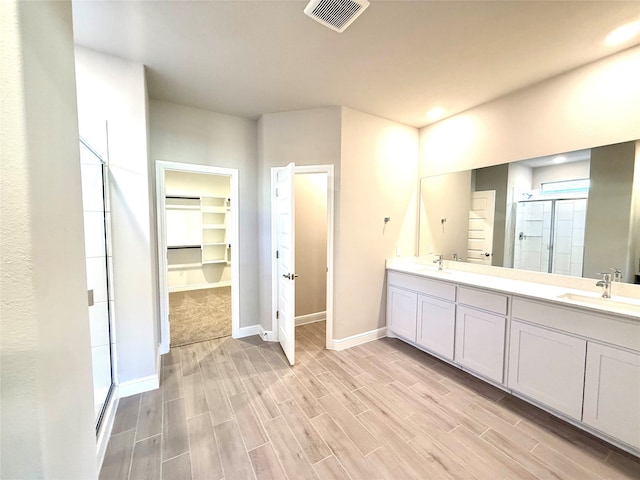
(436, 323)
(612, 392)
(547, 366)
(480, 332)
(420, 310)
(579, 363)
(401, 312)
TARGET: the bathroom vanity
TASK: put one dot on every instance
(567, 351)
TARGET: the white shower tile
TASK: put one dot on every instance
(97, 278)
(563, 245)
(94, 242)
(99, 324)
(92, 188)
(578, 237)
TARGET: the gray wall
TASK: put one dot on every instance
(609, 211)
(306, 137)
(190, 135)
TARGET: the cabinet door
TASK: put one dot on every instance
(479, 342)
(547, 366)
(436, 325)
(612, 392)
(401, 312)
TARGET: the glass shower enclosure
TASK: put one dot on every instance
(95, 200)
(549, 236)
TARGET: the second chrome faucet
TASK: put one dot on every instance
(607, 280)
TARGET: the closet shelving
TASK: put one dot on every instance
(215, 244)
(198, 222)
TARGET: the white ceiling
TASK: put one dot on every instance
(398, 60)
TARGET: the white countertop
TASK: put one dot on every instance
(617, 305)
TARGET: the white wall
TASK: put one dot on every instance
(47, 428)
(306, 137)
(378, 178)
(194, 136)
(445, 196)
(114, 90)
(596, 104)
(311, 243)
(557, 173)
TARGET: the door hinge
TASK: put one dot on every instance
(277, 314)
(277, 192)
(277, 254)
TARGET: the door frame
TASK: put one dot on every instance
(329, 170)
(162, 167)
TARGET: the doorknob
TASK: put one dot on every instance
(289, 276)
(486, 254)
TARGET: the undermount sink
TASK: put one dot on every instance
(428, 269)
(613, 304)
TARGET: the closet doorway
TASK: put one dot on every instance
(198, 254)
(312, 241)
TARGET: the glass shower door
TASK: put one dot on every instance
(550, 236)
(98, 261)
(533, 235)
(568, 236)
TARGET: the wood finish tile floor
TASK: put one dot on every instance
(234, 409)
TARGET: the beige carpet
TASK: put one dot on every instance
(199, 315)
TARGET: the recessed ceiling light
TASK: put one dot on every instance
(436, 113)
(623, 33)
(559, 159)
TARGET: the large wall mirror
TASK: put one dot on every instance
(574, 213)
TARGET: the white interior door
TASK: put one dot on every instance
(481, 214)
(285, 246)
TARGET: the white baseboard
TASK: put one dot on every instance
(311, 318)
(106, 427)
(267, 335)
(140, 385)
(198, 286)
(248, 331)
(358, 339)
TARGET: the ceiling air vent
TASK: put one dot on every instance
(335, 14)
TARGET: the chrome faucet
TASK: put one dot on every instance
(617, 275)
(606, 284)
(455, 257)
(438, 260)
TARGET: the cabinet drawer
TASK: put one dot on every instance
(601, 327)
(612, 392)
(492, 302)
(423, 285)
(548, 367)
